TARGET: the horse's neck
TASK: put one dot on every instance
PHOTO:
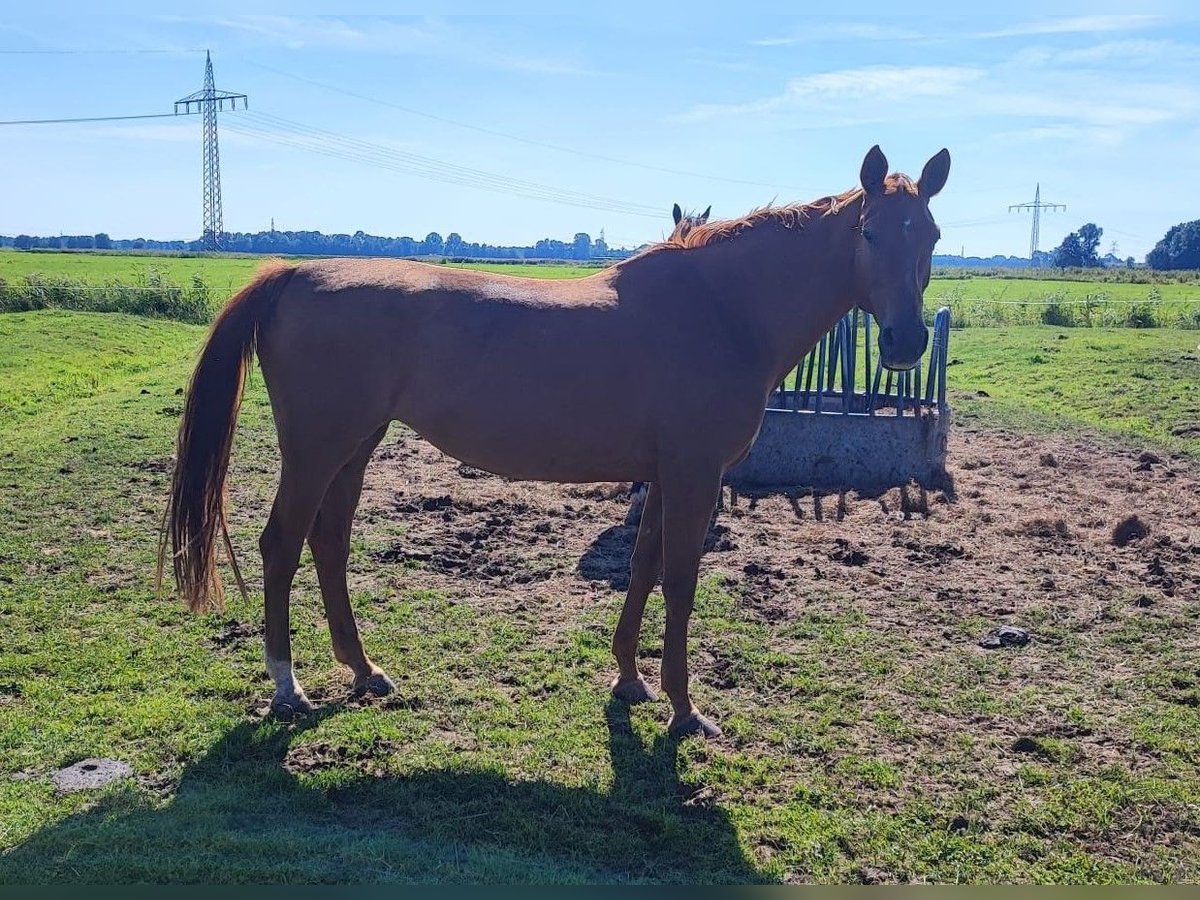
(790, 284)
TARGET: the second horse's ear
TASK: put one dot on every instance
(704, 215)
(677, 213)
(874, 171)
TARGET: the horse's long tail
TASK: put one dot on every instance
(196, 509)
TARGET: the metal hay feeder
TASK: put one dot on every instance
(824, 431)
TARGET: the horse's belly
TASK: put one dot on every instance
(533, 441)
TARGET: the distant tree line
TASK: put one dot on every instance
(1179, 249)
(998, 261)
(314, 243)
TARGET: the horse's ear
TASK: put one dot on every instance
(874, 171)
(933, 176)
(677, 213)
(704, 215)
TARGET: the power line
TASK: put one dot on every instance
(452, 169)
(331, 144)
(1136, 237)
(74, 52)
(379, 160)
(86, 119)
(513, 137)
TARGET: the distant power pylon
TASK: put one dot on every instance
(1037, 206)
(207, 101)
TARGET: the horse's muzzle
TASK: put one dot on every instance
(902, 346)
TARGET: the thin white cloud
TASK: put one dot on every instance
(536, 64)
(841, 31)
(1074, 25)
(1071, 94)
(1136, 52)
(374, 35)
(877, 31)
(893, 84)
(1080, 135)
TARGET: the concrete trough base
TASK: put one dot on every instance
(830, 451)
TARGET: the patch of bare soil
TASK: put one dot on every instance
(1099, 524)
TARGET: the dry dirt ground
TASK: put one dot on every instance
(1031, 522)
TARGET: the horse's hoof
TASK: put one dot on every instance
(377, 684)
(633, 691)
(693, 724)
(289, 707)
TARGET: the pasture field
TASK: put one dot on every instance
(998, 288)
(1095, 298)
(531, 270)
(224, 274)
(868, 737)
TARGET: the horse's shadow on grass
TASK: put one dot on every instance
(607, 557)
(239, 814)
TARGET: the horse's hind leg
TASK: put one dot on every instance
(330, 543)
(302, 484)
(643, 573)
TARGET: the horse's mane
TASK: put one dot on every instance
(792, 215)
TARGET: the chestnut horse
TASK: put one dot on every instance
(656, 369)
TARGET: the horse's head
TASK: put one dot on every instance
(685, 222)
(896, 236)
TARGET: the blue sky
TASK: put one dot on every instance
(611, 115)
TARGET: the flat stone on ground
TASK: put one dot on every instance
(89, 774)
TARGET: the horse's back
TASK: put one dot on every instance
(400, 279)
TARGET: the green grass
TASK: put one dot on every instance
(55, 357)
(502, 759)
(1134, 384)
(223, 274)
(995, 287)
(987, 300)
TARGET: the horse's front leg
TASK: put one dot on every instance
(689, 496)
